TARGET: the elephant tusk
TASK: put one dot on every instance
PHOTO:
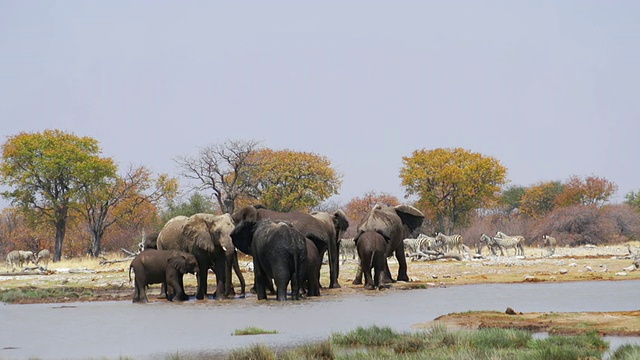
(224, 248)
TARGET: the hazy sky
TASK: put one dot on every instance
(549, 88)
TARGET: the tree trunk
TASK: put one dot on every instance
(96, 243)
(61, 227)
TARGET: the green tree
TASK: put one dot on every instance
(48, 171)
(197, 203)
(287, 180)
(512, 198)
(115, 198)
(451, 183)
(632, 198)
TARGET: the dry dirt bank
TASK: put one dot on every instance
(618, 323)
(92, 281)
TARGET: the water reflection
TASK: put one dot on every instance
(114, 329)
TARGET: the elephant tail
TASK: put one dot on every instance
(371, 262)
(130, 272)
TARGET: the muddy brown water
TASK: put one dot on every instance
(158, 329)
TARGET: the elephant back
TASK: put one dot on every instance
(308, 225)
(381, 220)
(170, 237)
(392, 222)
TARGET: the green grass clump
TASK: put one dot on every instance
(250, 330)
(16, 294)
(321, 350)
(372, 336)
(626, 352)
(255, 352)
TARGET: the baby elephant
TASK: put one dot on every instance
(162, 267)
(371, 251)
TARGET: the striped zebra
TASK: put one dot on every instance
(505, 241)
(448, 242)
(348, 246)
(550, 243)
(421, 243)
(491, 244)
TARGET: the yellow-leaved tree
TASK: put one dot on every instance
(451, 183)
(47, 172)
(540, 199)
(285, 180)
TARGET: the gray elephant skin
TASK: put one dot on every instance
(371, 248)
(279, 253)
(394, 223)
(322, 229)
(314, 262)
(207, 237)
(150, 241)
(162, 267)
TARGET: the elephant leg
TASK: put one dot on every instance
(366, 267)
(139, 293)
(378, 277)
(260, 284)
(220, 264)
(402, 264)
(368, 280)
(203, 269)
(281, 287)
(228, 275)
(387, 274)
(163, 291)
(174, 280)
(334, 265)
(236, 268)
(313, 282)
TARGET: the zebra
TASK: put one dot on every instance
(449, 242)
(490, 242)
(550, 243)
(505, 241)
(419, 244)
(348, 246)
(27, 257)
(13, 259)
(43, 255)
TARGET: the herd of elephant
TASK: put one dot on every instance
(22, 258)
(287, 248)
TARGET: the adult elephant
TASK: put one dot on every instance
(394, 223)
(208, 238)
(279, 253)
(321, 228)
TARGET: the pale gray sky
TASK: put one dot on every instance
(549, 88)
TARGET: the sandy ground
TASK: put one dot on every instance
(111, 281)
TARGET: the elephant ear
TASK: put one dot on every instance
(178, 262)
(340, 222)
(411, 217)
(196, 231)
(242, 236)
(379, 220)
